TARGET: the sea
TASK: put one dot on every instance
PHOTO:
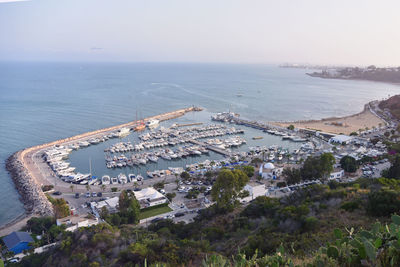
(42, 102)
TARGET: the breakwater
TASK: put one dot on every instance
(33, 198)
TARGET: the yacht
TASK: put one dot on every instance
(105, 180)
(122, 178)
(152, 123)
(139, 177)
(123, 132)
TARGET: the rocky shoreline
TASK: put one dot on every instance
(32, 196)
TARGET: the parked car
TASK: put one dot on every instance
(87, 194)
(94, 194)
(77, 195)
(57, 193)
(179, 214)
(162, 191)
(99, 194)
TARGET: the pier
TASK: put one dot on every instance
(210, 147)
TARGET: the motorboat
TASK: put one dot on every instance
(105, 180)
(122, 178)
(114, 180)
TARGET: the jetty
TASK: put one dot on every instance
(211, 147)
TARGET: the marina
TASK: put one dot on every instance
(160, 150)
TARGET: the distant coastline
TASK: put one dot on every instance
(370, 73)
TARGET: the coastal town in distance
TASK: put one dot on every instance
(176, 133)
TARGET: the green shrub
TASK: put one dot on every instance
(350, 206)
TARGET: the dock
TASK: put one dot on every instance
(211, 147)
(189, 124)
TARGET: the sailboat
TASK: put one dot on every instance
(140, 125)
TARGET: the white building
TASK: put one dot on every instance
(110, 204)
(254, 191)
(148, 197)
(341, 139)
(336, 174)
(269, 171)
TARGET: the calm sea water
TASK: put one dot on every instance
(41, 102)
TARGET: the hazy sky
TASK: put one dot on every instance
(251, 31)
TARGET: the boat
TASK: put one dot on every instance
(139, 177)
(122, 178)
(114, 180)
(140, 127)
(257, 137)
(123, 132)
(152, 124)
(105, 180)
(150, 174)
(132, 178)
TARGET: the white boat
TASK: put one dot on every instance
(123, 132)
(152, 123)
(150, 174)
(153, 158)
(105, 180)
(122, 178)
(139, 177)
(114, 180)
(132, 177)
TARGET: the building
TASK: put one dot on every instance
(110, 204)
(149, 197)
(18, 241)
(336, 174)
(341, 139)
(74, 222)
(254, 191)
(269, 171)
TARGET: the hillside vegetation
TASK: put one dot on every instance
(321, 225)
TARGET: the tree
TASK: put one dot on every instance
(353, 134)
(60, 206)
(103, 187)
(318, 167)
(227, 187)
(87, 187)
(129, 207)
(349, 164)
(185, 175)
(292, 175)
(72, 187)
(291, 127)
(394, 170)
(170, 196)
(383, 203)
(249, 170)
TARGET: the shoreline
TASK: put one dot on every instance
(28, 177)
(366, 119)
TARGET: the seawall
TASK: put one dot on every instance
(33, 198)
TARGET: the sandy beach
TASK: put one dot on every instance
(366, 119)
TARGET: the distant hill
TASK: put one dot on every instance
(371, 73)
(393, 104)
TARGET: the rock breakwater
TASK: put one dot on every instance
(33, 198)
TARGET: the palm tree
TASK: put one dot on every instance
(87, 187)
(72, 187)
(135, 184)
(103, 187)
